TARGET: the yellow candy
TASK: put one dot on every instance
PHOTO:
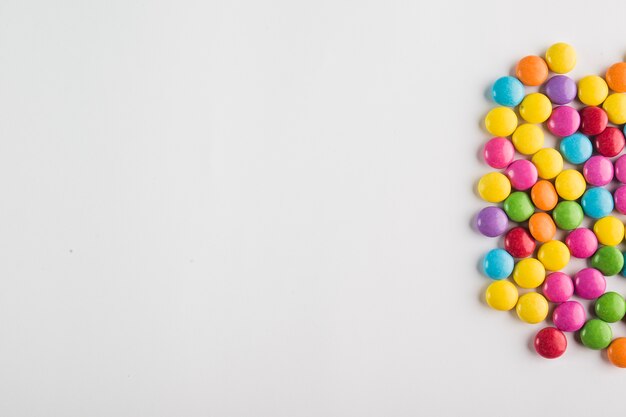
(609, 231)
(501, 121)
(494, 187)
(554, 255)
(532, 308)
(528, 138)
(501, 295)
(549, 163)
(592, 90)
(535, 108)
(615, 107)
(529, 273)
(561, 58)
(570, 184)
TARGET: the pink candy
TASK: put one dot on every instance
(563, 121)
(498, 152)
(589, 283)
(620, 169)
(582, 243)
(598, 170)
(569, 316)
(619, 196)
(522, 173)
(558, 287)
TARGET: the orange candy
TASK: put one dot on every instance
(617, 352)
(616, 77)
(532, 70)
(544, 195)
(542, 227)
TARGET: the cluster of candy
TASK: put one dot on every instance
(541, 194)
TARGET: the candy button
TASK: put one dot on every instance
(609, 231)
(593, 120)
(576, 148)
(501, 295)
(568, 215)
(542, 227)
(531, 70)
(507, 91)
(617, 352)
(596, 334)
(610, 142)
(532, 308)
(563, 121)
(492, 221)
(615, 107)
(494, 187)
(558, 287)
(528, 138)
(518, 206)
(619, 197)
(529, 273)
(592, 90)
(561, 58)
(616, 77)
(536, 108)
(561, 89)
(549, 163)
(589, 283)
(498, 264)
(582, 243)
(501, 121)
(544, 195)
(523, 174)
(550, 343)
(519, 243)
(620, 169)
(608, 260)
(498, 152)
(570, 184)
(610, 307)
(598, 170)
(569, 316)
(597, 202)
(554, 255)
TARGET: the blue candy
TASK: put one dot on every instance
(576, 148)
(507, 91)
(597, 202)
(498, 264)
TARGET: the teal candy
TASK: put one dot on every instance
(597, 202)
(507, 91)
(576, 148)
(498, 264)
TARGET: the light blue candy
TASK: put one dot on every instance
(576, 148)
(507, 91)
(498, 264)
(597, 202)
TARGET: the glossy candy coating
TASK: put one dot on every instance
(592, 90)
(528, 138)
(619, 198)
(569, 316)
(561, 89)
(617, 352)
(570, 184)
(498, 152)
(593, 120)
(589, 283)
(518, 206)
(597, 202)
(576, 148)
(494, 187)
(616, 77)
(531, 70)
(596, 334)
(568, 215)
(498, 264)
(501, 295)
(542, 227)
(615, 108)
(563, 121)
(620, 169)
(554, 255)
(608, 260)
(492, 221)
(532, 308)
(507, 91)
(529, 273)
(519, 243)
(550, 343)
(543, 195)
(609, 230)
(610, 307)
(598, 170)
(561, 58)
(582, 243)
(558, 287)
(610, 142)
(501, 121)
(523, 174)
(549, 163)
(536, 108)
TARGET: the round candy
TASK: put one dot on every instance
(596, 334)
(554, 255)
(542, 227)
(619, 196)
(610, 142)
(576, 148)
(569, 316)
(582, 243)
(593, 120)
(532, 308)
(544, 195)
(528, 138)
(597, 202)
(529, 273)
(558, 287)
(523, 174)
(561, 89)
(501, 295)
(492, 221)
(609, 230)
(592, 90)
(501, 121)
(498, 152)
(620, 169)
(550, 343)
(598, 170)
(568, 215)
(519, 243)
(570, 184)
(494, 187)
(617, 352)
(507, 91)
(615, 108)
(536, 108)
(518, 206)
(563, 121)
(498, 264)
(549, 163)
(610, 307)
(561, 58)
(589, 283)
(616, 77)
(608, 260)
(531, 70)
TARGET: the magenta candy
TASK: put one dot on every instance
(598, 170)
(563, 121)
(569, 316)
(582, 243)
(619, 196)
(558, 287)
(620, 169)
(589, 283)
(522, 173)
(498, 152)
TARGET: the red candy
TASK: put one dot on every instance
(519, 243)
(610, 142)
(593, 120)
(550, 342)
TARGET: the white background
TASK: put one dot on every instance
(241, 208)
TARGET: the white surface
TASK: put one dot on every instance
(262, 209)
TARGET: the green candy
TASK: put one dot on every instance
(608, 260)
(610, 307)
(518, 206)
(596, 334)
(568, 215)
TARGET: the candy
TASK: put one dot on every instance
(561, 89)
(550, 343)
(492, 221)
(532, 308)
(498, 264)
(610, 142)
(608, 260)
(616, 77)
(561, 58)
(609, 231)
(598, 170)
(523, 174)
(610, 307)
(519, 243)
(589, 283)
(542, 227)
(498, 152)
(507, 91)
(501, 121)
(592, 90)
(558, 287)
(531, 70)
(576, 148)
(619, 197)
(536, 108)
(617, 352)
(620, 169)
(544, 195)
(596, 334)
(528, 138)
(529, 273)
(582, 243)
(570, 184)
(593, 120)
(563, 121)
(597, 202)
(568, 215)
(554, 255)
(501, 295)
(518, 206)
(569, 316)
(615, 108)
(494, 187)
(549, 163)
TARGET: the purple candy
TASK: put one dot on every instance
(563, 121)
(589, 283)
(620, 169)
(561, 89)
(569, 316)
(619, 196)
(492, 221)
